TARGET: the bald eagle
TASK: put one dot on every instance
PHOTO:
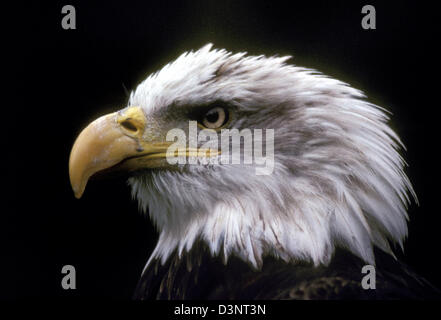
(334, 201)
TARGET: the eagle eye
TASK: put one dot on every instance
(215, 118)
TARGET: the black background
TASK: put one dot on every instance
(63, 79)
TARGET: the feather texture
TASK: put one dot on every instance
(338, 178)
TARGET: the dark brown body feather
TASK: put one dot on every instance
(198, 275)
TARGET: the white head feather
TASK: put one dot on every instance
(338, 178)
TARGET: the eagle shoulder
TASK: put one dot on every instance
(198, 275)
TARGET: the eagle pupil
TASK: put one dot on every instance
(212, 116)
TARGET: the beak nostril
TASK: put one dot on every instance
(132, 120)
(127, 124)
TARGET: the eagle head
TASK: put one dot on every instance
(331, 174)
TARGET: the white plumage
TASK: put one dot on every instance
(338, 178)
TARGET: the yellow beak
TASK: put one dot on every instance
(113, 139)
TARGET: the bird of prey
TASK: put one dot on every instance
(335, 199)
